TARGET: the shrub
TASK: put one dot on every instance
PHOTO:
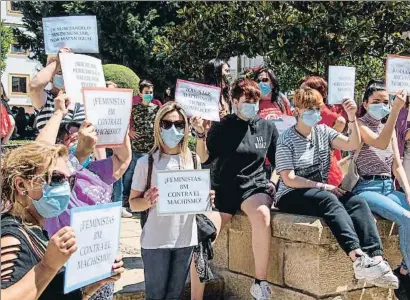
(124, 77)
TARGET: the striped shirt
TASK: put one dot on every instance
(46, 112)
(309, 158)
(372, 161)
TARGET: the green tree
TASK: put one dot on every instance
(6, 40)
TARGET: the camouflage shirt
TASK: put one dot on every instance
(143, 120)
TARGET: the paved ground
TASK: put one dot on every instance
(131, 250)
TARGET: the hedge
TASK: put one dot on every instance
(124, 77)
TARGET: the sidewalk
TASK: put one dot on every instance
(130, 248)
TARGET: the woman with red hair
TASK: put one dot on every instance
(331, 119)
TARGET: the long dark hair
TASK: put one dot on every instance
(213, 76)
(374, 85)
(275, 97)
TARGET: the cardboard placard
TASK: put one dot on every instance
(79, 33)
(183, 192)
(80, 71)
(97, 230)
(397, 73)
(109, 110)
(341, 84)
(198, 99)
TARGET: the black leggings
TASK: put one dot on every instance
(349, 217)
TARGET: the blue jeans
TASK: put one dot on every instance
(391, 205)
(127, 178)
(117, 186)
(166, 271)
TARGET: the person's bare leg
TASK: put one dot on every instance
(11, 130)
(257, 208)
(197, 288)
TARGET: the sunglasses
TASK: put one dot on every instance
(168, 124)
(263, 80)
(59, 178)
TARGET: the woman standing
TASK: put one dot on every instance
(36, 185)
(377, 162)
(239, 145)
(303, 162)
(167, 242)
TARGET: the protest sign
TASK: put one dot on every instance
(183, 192)
(397, 73)
(198, 99)
(97, 230)
(80, 71)
(109, 110)
(79, 33)
(341, 84)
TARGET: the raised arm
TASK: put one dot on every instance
(121, 158)
(38, 83)
(201, 128)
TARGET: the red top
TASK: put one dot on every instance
(136, 100)
(335, 174)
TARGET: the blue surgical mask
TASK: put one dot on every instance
(86, 162)
(172, 136)
(54, 200)
(378, 111)
(311, 117)
(58, 81)
(147, 97)
(249, 110)
(265, 88)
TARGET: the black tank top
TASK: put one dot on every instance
(30, 254)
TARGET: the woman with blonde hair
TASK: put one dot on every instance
(36, 185)
(167, 242)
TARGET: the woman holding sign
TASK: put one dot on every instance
(239, 145)
(377, 162)
(36, 185)
(167, 242)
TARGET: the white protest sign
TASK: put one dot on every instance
(97, 230)
(80, 71)
(109, 110)
(398, 73)
(79, 33)
(183, 192)
(341, 84)
(198, 99)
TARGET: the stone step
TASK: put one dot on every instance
(214, 291)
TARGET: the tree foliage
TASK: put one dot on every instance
(124, 77)
(6, 40)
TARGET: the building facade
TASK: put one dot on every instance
(20, 69)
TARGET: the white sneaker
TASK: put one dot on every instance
(125, 213)
(261, 291)
(387, 281)
(377, 272)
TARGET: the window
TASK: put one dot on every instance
(16, 49)
(18, 84)
(13, 8)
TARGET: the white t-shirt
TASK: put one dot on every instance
(176, 231)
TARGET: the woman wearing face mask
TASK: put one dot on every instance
(36, 185)
(217, 73)
(377, 162)
(303, 162)
(167, 242)
(239, 145)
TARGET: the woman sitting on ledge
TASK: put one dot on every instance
(303, 162)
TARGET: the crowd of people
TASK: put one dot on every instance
(265, 152)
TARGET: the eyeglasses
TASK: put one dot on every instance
(262, 80)
(168, 124)
(59, 178)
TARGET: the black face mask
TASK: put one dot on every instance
(227, 79)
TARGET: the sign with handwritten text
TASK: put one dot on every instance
(97, 230)
(341, 84)
(183, 192)
(397, 73)
(198, 99)
(79, 33)
(109, 110)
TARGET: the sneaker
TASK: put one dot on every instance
(387, 281)
(403, 292)
(368, 268)
(261, 291)
(125, 213)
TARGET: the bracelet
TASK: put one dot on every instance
(355, 119)
(200, 135)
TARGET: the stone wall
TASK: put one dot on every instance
(306, 262)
